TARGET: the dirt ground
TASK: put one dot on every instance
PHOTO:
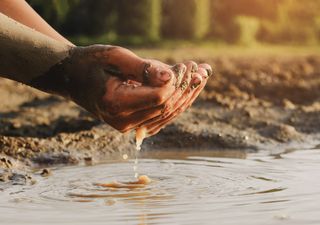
(251, 103)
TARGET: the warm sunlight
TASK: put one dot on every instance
(191, 112)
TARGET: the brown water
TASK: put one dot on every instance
(203, 187)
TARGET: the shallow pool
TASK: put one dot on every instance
(203, 187)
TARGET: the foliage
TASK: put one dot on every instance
(224, 14)
(249, 27)
(140, 21)
(139, 18)
(296, 22)
(185, 18)
(201, 19)
(54, 11)
(91, 18)
(177, 18)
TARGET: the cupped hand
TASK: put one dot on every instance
(124, 90)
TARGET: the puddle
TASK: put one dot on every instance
(207, 187)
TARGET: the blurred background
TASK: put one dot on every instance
(156, 22)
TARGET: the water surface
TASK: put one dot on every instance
(203, 187)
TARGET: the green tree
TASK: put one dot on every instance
(224, 14)
(140, 18)
(54, 11)
(202, 19)
(296, 23)
(185, 18)
(91, 18)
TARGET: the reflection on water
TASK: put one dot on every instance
(207, 187)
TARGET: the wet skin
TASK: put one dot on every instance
(124, 90)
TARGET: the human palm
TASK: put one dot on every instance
(124, 90)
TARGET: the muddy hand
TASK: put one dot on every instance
(136, 90)
(123, 89)
(194, 80)
(150, 93)
(124, 64)
(111, 82)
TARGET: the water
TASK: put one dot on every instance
(140, 135)
(203, 187)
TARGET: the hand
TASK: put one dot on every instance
(193, 81)
(123, 89)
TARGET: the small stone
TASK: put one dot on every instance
(110, 202)
(88, 161)
(16, 125)
(6, 163)
(4, 177)
(45, 172)
(288, 104)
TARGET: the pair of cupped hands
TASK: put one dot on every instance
(127, 91)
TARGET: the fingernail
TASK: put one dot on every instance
(196, 83)
(210, 72)
(194, 68)
(184, 85)
(204, 73)
(179, 69)
(176, 68)
(184, 69)
(194, 86)
(145, 72)
(165, 76)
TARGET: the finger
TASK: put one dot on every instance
(125, 98)
(196, 81)
(153, 132)
(208, 68)
(155, 129)
(184, 102)
(157, 74)
(126, 65)
(132, 121)
(205, 71)
(179, 71)
(196, 92)
(122, 62)
(183, 76)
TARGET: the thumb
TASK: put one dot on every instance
(126, 65)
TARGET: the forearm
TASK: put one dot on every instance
(20, 11)
(25, 53)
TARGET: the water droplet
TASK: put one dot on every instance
(125, 156)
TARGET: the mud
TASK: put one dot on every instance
(250, 104)
(21, 45)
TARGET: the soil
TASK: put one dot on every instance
(251, 103)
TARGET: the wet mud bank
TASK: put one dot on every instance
(250, 104)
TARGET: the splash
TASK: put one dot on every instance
(139, 183)
(142, 180)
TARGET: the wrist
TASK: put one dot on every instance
(79, 77)
(55, 80)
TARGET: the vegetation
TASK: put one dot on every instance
(144, 21)
(185, 18)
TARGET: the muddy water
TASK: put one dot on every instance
(186, 188)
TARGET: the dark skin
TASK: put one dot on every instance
(123, 89)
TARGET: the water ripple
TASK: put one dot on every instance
(191, 190)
